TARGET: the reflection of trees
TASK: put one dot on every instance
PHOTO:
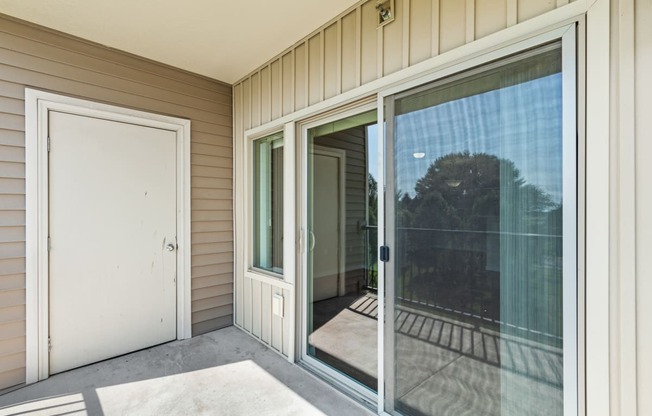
(371, 233)
(469, 216)
(372, 196)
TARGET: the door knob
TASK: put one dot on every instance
(169, 247)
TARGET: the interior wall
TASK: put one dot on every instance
(31, 56)
(347, 53)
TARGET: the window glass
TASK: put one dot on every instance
(477, 211)
(268, 203)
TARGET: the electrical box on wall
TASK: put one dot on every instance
(385, 9)
(277, 304)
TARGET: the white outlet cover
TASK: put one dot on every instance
(277, 304)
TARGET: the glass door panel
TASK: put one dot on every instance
(342, 303)
(475, 205)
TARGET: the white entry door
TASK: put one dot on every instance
(326, 227)
(112, 217)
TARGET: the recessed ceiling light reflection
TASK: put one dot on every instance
(453, 183)
(419, 155)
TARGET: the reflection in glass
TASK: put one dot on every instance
(342, 207)
(477, 214)
(268, 203)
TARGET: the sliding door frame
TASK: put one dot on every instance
(574, 180)
(338, 379)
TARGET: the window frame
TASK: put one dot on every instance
(286, 277)
(254, 169)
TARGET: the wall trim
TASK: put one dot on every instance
(598, 223)
(37, 106)
(623, 130)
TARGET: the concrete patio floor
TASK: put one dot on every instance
(225, 372)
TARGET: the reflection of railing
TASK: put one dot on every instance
(371, 256)
(508, 279)
(471, 340)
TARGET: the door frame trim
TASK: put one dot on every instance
(38, 104)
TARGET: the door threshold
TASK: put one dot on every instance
(366, 398)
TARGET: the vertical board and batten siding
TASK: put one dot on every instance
(264, 325)
(35, 57)
(344, 54)
(643, 205)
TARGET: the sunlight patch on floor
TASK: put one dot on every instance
(71, 404)
(238, 388)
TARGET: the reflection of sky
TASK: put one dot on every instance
(372, 149)
(521, 123)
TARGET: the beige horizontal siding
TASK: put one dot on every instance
(31, 56)
(213, 269)
(12, 329)
(213, 280)
(12, 137)
(208, 325)
(12, 281)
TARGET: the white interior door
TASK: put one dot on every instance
(112, 215)
(326, 229)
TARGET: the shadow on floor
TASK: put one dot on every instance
(224, 372)
(537, 361)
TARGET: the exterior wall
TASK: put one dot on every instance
(349, 53)
(43, 59)
(341, 56)
(271, 329)
(630, 328)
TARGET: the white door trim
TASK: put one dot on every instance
(38, 104)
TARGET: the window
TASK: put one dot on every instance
(268, 203)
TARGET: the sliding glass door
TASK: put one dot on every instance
(481, 224)
(340, 207)
(440, 257)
